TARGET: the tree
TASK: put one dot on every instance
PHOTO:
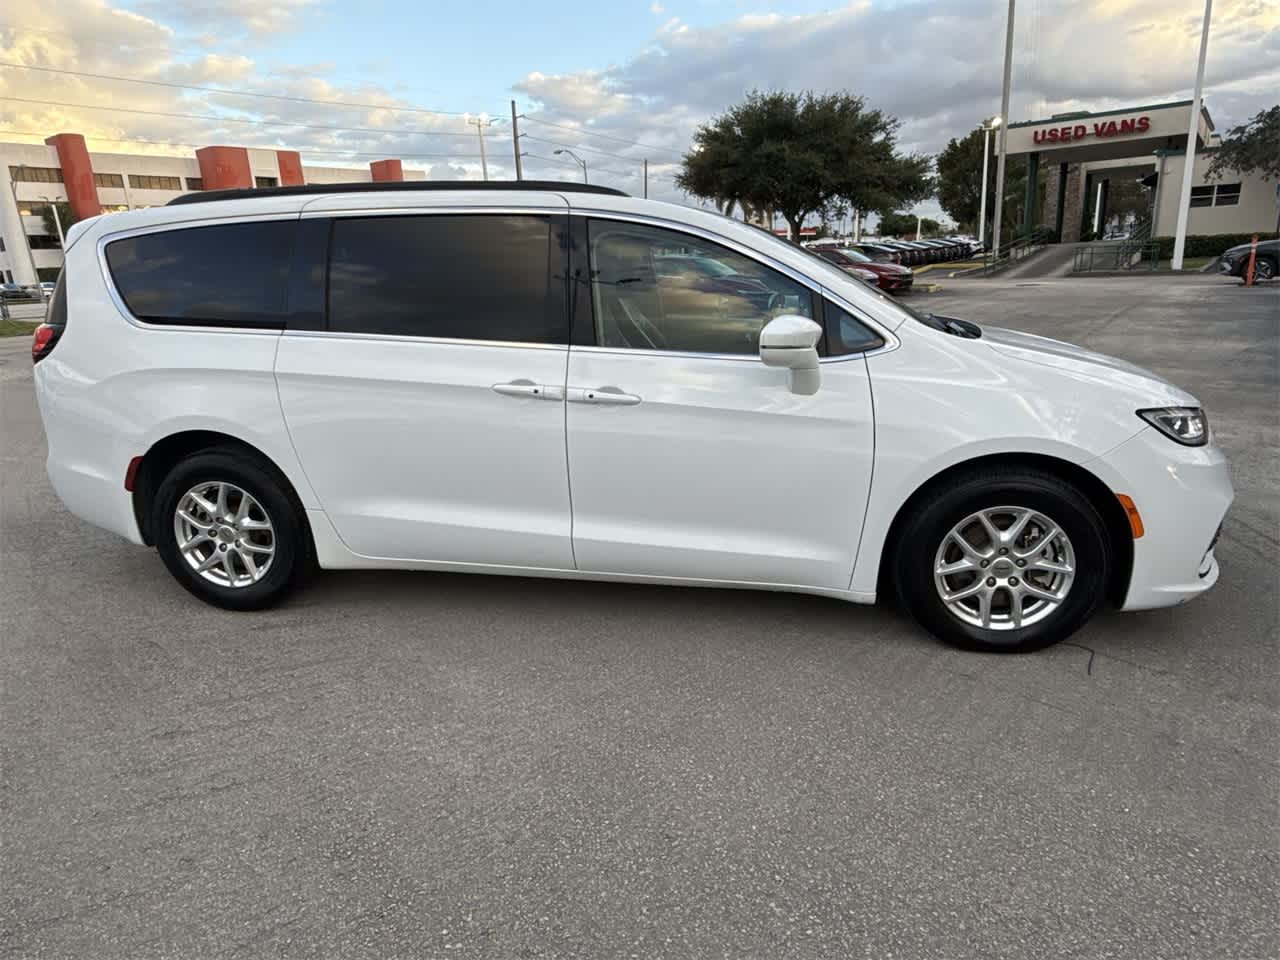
(960, 185)
(960, 180)
(1251, 147)
(904, 225)
(801, 155)
(65, 215)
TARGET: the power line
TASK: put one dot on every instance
(602, 136)
(575, 146)
(234, 93)
(221, 119)
(306, 150)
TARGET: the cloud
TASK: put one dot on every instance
(934, 64)
(90, 37)
(251, 16)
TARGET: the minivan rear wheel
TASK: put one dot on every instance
(228, 530)
(1004, 560)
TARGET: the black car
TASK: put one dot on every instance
(878, 252)
(1266, 264)
(911, 254)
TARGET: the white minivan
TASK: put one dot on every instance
(498, 378)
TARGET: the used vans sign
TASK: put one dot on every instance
(1101, 129)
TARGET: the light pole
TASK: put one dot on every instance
(1004, 130)
(577, 159)
(987, 126)
(57, 220)
(1189, 161)
(480, 123)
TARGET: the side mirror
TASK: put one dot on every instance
(791, 341)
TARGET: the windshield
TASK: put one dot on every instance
(855, 256)
(841, 281)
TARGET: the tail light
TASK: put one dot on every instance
(49, 333)
(45, 339)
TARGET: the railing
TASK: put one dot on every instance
(1016, 249)
(1116, 256)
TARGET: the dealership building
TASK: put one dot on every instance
(63, 170)
(1082, 154)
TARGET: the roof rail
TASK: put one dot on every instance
(392, 186)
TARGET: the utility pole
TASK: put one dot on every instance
(515, 140)
(1004, 130)
(480, 123)
(1189, 161)
(646, 179)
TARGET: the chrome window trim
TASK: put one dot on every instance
(891, 341)
(409, 338)
(114, 294)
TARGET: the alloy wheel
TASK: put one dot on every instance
(224, 534)
(1004, 568)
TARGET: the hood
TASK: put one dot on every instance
(1097, 369)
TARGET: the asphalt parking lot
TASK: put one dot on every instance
(414, 765)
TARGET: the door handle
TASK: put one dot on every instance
(610, 396)
(527, 388)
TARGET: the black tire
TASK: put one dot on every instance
(294, 557)
(924, 529)
(1264, 268)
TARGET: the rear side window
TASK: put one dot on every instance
(474, 277)
(230, 275)
(57, 312)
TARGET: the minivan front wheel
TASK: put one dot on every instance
(228, 531)
(1005, 560)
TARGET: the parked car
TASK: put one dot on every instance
(911, 255)
(46, 289)
(14, 291)
(887, 276)
(432, 401)
(876, 251)
(1266, 265)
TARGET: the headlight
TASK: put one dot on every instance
(1187, 425)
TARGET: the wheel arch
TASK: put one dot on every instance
(164, 454)
(1089, 484)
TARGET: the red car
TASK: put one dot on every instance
(889, 276)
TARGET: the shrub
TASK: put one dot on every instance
(1206, 245)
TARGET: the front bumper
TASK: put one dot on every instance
(1182, 494)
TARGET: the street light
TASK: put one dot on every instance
(577, 159)
(57, 220)
(987, 126)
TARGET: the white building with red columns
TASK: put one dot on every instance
(62, 169)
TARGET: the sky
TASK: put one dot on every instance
(617, 81)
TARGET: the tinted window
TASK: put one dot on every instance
(231, 275)
(641, 303)
(476, 277)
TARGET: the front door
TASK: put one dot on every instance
(428, 413)
(688, 457)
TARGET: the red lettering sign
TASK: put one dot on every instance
(1101, 129)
